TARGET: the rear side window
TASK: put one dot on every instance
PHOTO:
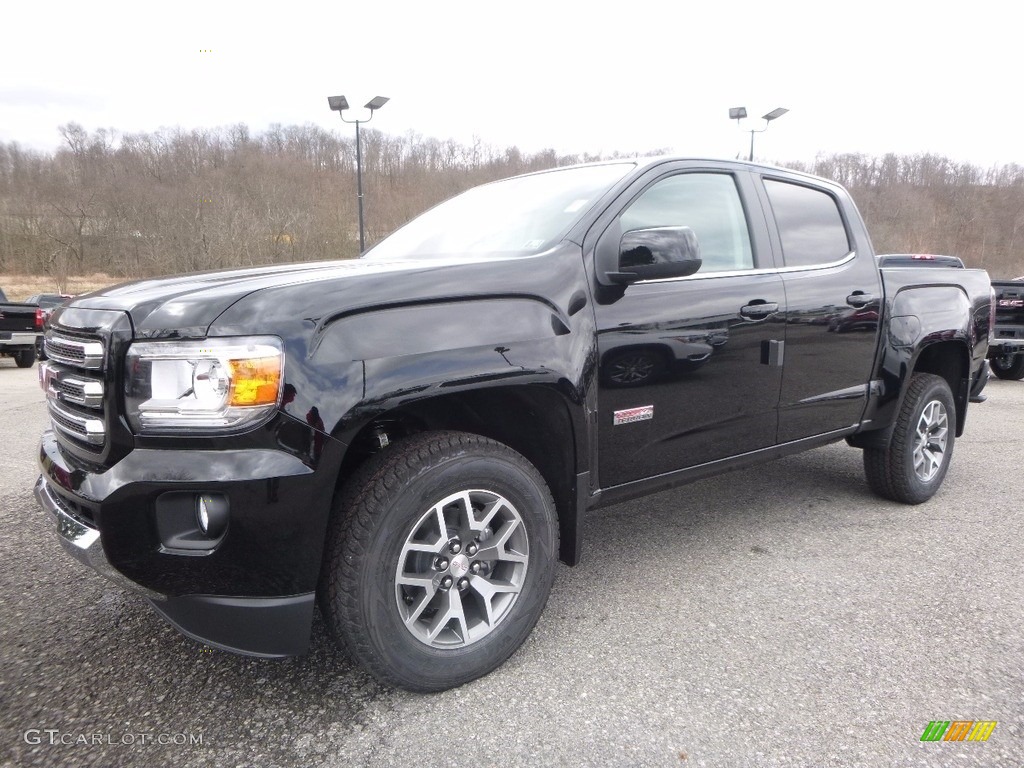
(810, 225)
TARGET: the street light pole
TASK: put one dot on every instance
(339, 104)
(359, 185)
(738, 113)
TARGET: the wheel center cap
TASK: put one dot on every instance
(459, 566)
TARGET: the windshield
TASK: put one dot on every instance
(515, 217)
(48, 300)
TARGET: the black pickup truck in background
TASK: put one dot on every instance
(21, 325)
(47, 302)
(412, 439)
(1006, 349)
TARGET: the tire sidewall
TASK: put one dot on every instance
(413, 662)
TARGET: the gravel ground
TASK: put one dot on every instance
(771, 617)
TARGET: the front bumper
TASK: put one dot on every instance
(267, 627)
(254, 593)
(81, 540)
(1006, 339)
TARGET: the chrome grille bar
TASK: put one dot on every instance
(86, 392)
(83, 428)
(83, 354)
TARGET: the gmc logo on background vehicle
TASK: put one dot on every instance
(1013, 303)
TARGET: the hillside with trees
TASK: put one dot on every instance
(175, 201)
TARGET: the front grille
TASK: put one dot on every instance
(75, 388)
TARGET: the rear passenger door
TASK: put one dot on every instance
(833, 293)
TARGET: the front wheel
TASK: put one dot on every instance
(440, 560)
(1009, 366)
(912, 466)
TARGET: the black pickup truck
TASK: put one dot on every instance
(20, 327)
(414, 438)
(1006, 348)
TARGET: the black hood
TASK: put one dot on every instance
(186, 306)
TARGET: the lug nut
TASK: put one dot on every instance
(471, 549)
(476, 567)
(446, 583)
(455, 546)
(463, 584)
(441, 563)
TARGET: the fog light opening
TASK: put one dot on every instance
(212, 514)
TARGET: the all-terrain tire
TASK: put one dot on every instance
(912, 465)
(437, 509)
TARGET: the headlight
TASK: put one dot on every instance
(213, 385)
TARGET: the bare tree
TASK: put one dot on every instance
(174, 201)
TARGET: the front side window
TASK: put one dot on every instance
(810, 226)
(709, 204)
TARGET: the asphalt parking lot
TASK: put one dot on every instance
(777, 616)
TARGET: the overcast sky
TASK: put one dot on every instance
(868, 77)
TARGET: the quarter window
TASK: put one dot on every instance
(810, 225)
(709, 204)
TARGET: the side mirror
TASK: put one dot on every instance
(656, 254)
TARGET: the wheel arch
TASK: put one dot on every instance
(510, 415)
(951, 360)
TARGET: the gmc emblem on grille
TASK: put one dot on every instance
(46, 374)
(1011, 303)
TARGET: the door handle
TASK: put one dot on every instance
(859, 299)
(757, 310)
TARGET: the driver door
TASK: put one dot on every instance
(687, 373)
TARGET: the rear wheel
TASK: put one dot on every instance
(912, 466)
(440, 560)
(24, 358)
(1010, 366)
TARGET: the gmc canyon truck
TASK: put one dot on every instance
(20, 326)
(412, 439)
(1006, 348)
